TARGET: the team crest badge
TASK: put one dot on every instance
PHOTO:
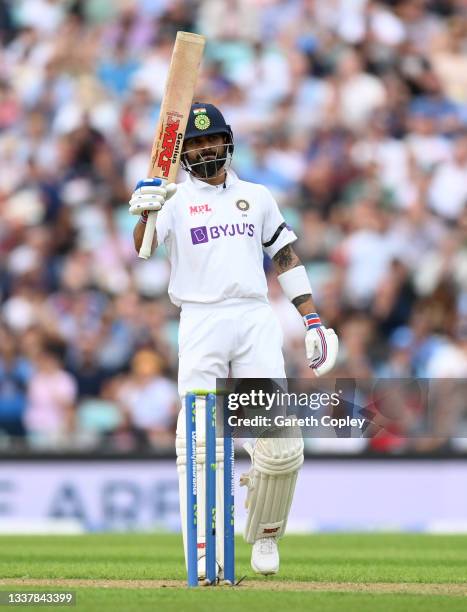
(202, 122)
(242, 205)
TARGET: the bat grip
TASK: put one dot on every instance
(148, 238)
(150, 229)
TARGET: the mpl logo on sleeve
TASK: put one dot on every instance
(202, 234)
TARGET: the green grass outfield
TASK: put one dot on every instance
(327, 572)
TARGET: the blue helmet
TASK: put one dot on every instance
(207, 119)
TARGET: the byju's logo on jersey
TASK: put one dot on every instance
(199, 235)
(202, 234)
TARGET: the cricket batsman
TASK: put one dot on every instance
(216, 228)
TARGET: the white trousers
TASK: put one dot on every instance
(239, 337)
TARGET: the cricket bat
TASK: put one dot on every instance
(175, 108)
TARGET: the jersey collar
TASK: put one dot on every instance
(231, 179)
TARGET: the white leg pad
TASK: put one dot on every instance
(271, 485)
(180, 447)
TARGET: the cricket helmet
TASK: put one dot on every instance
(207, 119)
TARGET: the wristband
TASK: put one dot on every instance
(312, 320)
(295, 282)
(144, 217)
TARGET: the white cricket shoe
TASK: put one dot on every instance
(265, 556)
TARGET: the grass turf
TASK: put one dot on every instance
(336, 558)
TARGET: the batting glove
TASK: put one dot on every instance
(321, 345)
(150, 195)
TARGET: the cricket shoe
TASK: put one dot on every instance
(202, 569)
(265, 556)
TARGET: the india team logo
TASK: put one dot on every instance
(242, 205)
(202, 122)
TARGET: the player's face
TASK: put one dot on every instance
(206, 154)
(207, 147)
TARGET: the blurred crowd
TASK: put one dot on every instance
(352, 112)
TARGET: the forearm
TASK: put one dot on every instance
(285, 260)
(304, 304)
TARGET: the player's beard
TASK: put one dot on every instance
(212, 167)
(209, 168)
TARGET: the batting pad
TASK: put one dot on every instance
(180, 447)
(271, 485)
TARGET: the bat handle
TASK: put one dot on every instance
(148, 238)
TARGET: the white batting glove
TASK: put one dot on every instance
(150, 195)
(321, 345)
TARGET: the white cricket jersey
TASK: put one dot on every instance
(215, 237)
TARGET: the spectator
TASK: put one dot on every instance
(50, 413)
(359, 93)
(15, 373)
(448, 188)
(150, 399)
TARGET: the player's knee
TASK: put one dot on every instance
(278, 455)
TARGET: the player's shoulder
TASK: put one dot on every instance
(255, 189)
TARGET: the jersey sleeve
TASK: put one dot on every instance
(164, 224)
(276, 234)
